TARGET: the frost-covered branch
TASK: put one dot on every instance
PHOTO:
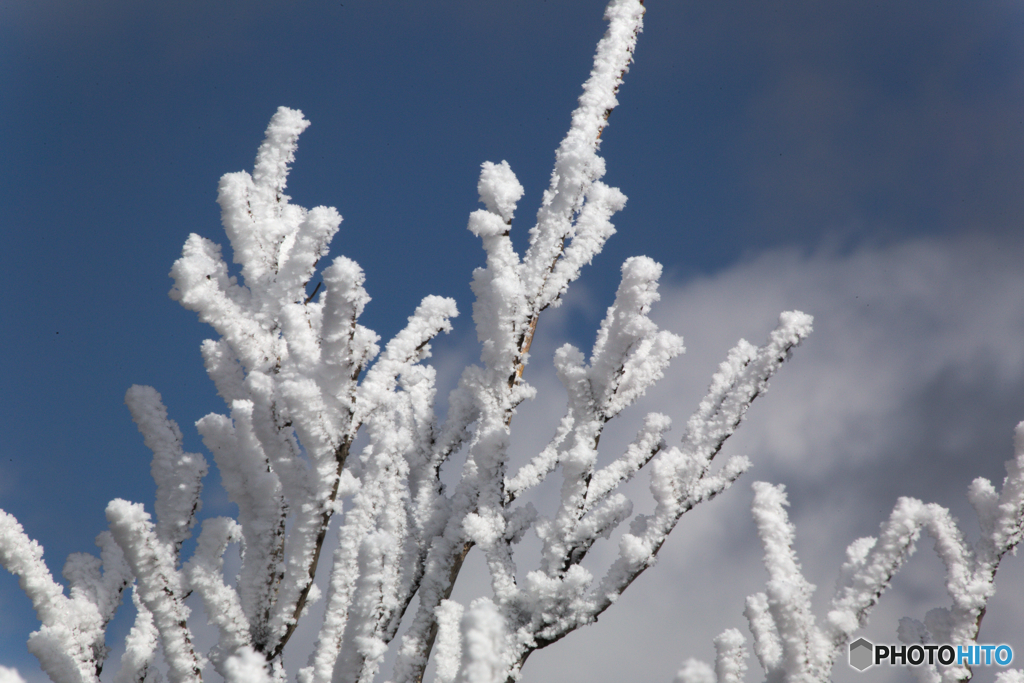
(681, 476)
(730, 662)
(160, 586)
(140, 648)
(327, 429)
(69, 645)
(788, 641)
(178, 475)
(970, 572)
(572, 225)
(205, 573)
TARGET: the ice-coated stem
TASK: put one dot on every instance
(160, 587)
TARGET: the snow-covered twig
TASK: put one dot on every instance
(681, 477)
(178, 475)
(205, 574)
(161, 587)
(789, 643)
(69, 645)
(139, 648)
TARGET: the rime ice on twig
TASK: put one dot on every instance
(970, 572)
(69, 645)
(730, 663)
(161, 587)
(572, 225)
(139, 648)
(485, 656)
(789, 643)
(681, 477)
(178, 475)
(205, 573)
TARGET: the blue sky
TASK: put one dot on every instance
(831, 156)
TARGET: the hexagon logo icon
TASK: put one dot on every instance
(861, 651)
